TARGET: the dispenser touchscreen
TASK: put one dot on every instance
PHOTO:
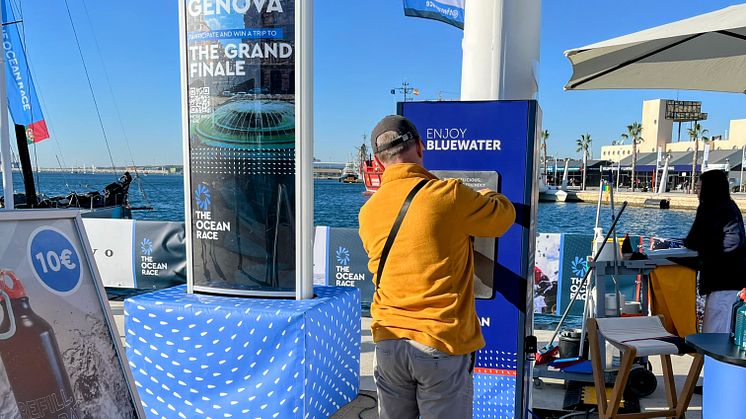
(485, 248)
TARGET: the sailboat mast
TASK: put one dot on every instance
(28, 173)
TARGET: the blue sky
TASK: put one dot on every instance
(363, 49)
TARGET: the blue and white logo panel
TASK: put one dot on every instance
(343, 256)
(202, 197)
(579, 266)
(146, 247)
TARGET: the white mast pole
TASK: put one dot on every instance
(501, 50)
(304, 149)
(5, 140)
(664, 178)
(483, 44)
(564, 174)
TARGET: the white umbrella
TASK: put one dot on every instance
(706, 52)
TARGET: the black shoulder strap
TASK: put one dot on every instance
(395, 229)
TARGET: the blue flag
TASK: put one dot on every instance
(448, 11)
(23, 102)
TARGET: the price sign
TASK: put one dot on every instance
(55, 261)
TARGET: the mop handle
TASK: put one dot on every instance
(587, 273)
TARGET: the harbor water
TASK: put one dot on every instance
(337, 205)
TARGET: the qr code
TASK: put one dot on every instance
(199, 100)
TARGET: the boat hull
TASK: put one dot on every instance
(372, 176)
(558, 195)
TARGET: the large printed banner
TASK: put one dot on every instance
(152, 256)
(547, 267)
(240, 70)
(60, 352)
(575, 250)
(560, 265)
(448, 11)
(340, 260)
(23, 102)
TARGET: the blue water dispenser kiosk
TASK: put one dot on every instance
(492, 145)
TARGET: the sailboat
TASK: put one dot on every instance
(30, 127)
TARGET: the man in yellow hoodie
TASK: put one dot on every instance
(425, 324)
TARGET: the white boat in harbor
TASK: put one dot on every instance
(553, 193)
(349, 174)
(549, 193)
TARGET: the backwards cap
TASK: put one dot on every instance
(402, 126)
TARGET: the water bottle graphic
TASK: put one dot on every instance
(734, 337)
(740, 325)
(31, 356)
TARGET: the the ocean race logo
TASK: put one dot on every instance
(343, 256)
(207, 228)
(457, 139)
(578, 267)
(343, 275)
(149, 266)
(202, 197)
(146, 247)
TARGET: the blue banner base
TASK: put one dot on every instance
(196, 355)
(494, 395)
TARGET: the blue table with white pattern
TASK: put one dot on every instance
(195, 355)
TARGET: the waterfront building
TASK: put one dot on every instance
(660, 132)
(327, 170)
(679, 167)
(575, 172)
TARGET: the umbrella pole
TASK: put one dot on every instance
(743, 159)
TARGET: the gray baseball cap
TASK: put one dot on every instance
(399, 124)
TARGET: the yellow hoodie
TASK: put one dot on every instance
(427, 289)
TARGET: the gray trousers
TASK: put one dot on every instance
(415, 380)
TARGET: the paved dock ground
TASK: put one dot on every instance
(548, 397)
(678, 200)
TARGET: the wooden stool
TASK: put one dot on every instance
(640, 337)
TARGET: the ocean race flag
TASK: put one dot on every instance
(23, 102)
(448, 11)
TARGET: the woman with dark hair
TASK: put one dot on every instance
(718, 236)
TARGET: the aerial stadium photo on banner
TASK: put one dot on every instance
(241, 88)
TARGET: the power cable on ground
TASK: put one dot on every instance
(367, 409)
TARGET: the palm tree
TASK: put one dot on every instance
(634, 130)
(544, 137)
(584, 146)
(696, 133)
